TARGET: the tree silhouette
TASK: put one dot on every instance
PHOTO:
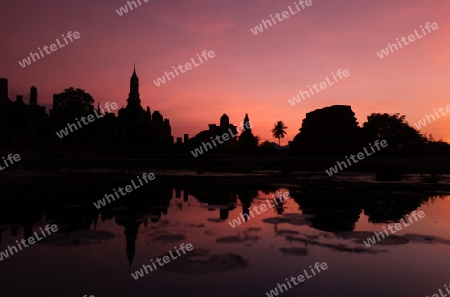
(267, 144)
(278, 130)
(73, 103)
(68, 107)
(392, 128)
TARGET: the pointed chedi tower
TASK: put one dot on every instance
(138, 127)
(247, 139)
(134, 100)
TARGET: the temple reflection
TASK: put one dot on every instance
(331, 212)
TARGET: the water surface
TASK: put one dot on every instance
(96, 251)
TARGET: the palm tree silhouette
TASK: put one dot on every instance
(278, 130)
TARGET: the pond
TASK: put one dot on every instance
(97, 252)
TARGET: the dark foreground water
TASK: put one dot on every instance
(95, 251)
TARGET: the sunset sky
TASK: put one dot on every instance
(254, 74)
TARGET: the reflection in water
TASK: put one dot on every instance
(334, 246)
(340, 209)
(240, 237)
(294, 251)
(360, 236)
(79, 237)
(200, 261)
(335, 212)
(151, 221)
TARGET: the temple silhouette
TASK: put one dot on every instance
(213, 130)
(332, 130)
(332, 212)
(21, 123)
(30, 125)
(245, 138)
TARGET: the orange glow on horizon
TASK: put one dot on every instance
(254, 74)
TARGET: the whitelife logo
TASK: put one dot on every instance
(299, 279)
(285, 14)
(199, 151)
(90, 118)
(124, 9)
(11, 159)
(53, 48)
(411, 39)
(165, 258)
(162, 80)
(423, 123)
(360, 155)
(398, 227)
(282, 197)
(323, 85)
(128, 189)
(11, 250)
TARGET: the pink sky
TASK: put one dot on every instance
(254, 74)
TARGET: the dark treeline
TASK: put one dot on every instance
(332, 130)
